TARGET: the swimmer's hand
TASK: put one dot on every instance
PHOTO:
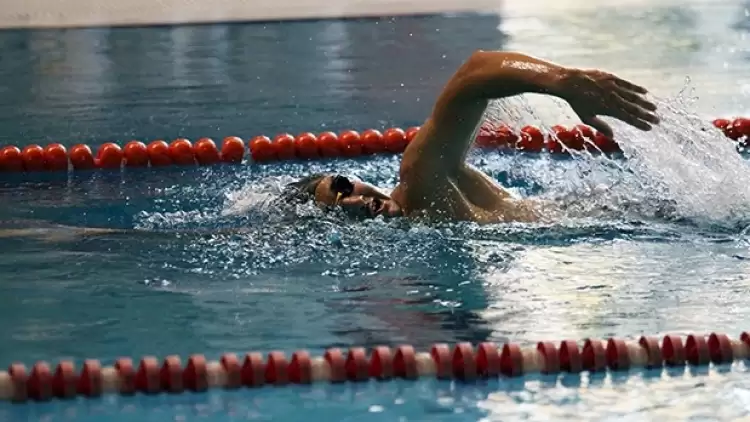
(593, 93)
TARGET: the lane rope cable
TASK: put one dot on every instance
(307, 146)
(461, 362)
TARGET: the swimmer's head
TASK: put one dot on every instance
(358, 199)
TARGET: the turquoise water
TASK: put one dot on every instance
(654, 243)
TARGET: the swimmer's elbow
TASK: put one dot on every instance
(484, 74)
(479, 58)
(497, 74)
(468, 81)
(473, 65)
(481, 62)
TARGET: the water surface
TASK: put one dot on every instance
(622, 266)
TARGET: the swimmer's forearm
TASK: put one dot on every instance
(496, 74)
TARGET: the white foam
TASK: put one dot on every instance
(688, 161)
(684, 162)
(249, 197)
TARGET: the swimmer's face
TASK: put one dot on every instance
(355, 198)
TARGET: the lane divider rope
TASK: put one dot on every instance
(463, 362)
(349, 143)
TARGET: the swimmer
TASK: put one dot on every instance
(434, 179)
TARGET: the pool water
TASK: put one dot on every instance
(652, 244)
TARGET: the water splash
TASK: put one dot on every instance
(683, 169)
(254, 197)
(687, 161)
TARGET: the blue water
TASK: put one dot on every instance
(662, 249)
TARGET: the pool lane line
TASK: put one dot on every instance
(462, 362)
(558, 140)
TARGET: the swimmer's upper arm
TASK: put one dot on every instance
(446, 136)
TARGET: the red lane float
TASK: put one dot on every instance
(262, 149)
(55, 157)
(462, 361)
(109, 156)
(135, 154)
(81, 157)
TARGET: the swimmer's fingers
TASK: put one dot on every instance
(627, 102)
(637, 99)
(633, 114)
(628, 85)
(598, 124)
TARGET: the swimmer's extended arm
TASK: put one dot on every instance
(446, 136)
(67, 233)
(50, 231)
